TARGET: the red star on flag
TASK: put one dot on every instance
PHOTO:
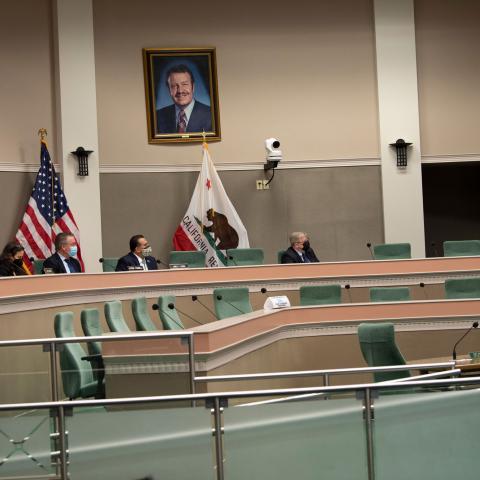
(208, 184)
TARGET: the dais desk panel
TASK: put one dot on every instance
(44, 291)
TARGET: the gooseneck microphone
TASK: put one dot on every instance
(233, 260)
(220, 298)
(196, 299)
(263, 290)
(369, 246)
(156, 307)
(347, 288)
(454, 353)
(166, 265)
(422, 286)
(171, 306)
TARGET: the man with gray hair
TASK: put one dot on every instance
(300, 250)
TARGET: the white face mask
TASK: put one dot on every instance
(147, 251)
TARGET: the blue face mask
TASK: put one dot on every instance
(73, 251)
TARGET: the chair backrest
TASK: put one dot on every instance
(245, 256)
(377, 342)
(392, 251)
(90, 320)
(109, 264)
(389, 294)
(280, 255)
(169, 316)
(320, 295)
(141, 315)
(114, 316)
(194, 259)
(462, 288)
(461, 248)
(77, 374)
(38, 266)
(230, 302)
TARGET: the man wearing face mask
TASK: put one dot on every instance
(300, 250)
(63, 261)
(139, 258)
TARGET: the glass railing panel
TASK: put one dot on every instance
(25, 444)
(24, 374)
(301, 440)
(134, 443)
(428, 435)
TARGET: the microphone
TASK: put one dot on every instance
(454, 353)
(196, 299)
(263, 290)
(233, 260)
(155, 306)
(166, 265)
(171, 306)
(435, 249)
(347, 288)
(219, 297)
(422, 285)
(369, 246)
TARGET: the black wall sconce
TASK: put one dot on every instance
(401, 146)
(82, 157)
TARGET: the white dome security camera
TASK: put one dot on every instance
(272, 146)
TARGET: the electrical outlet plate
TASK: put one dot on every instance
(266, 185)
(259, 184)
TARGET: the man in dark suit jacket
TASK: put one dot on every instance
(300, 250)
(185, 114)
(139, 257)
(63, 261)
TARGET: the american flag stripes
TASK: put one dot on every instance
(47, 214)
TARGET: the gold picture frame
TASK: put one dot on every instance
(181, 94)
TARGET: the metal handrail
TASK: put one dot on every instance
(328, 371)
(242, 394)
(95, 338)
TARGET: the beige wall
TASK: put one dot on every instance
(302, 72)
(447, 37)
(341, 208)
(27, 98)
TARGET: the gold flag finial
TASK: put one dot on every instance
(43, 134)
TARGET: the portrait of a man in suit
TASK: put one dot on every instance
(186, 114)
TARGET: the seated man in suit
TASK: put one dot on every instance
(139, 258)
(62, 260)
(185, 114)
(300, 250)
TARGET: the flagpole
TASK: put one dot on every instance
(204, 144)
(43, 135)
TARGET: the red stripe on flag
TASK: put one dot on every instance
(38, 227)
(31, 241)
(181, 241)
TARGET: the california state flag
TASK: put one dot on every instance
(211, 223)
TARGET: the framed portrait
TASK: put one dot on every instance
(181, 94)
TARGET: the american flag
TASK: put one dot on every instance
(47, 214)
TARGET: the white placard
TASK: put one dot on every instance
(273, 303)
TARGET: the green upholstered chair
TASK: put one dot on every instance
(109, 264)
(280, 255)
(245, 256)
(90, 320)
(462, 288)
(230, 302)
(193, 259)
(461, 248)
(141, 316)
(169, 316)
(377, 343)
(392, 251)
(114, 316)
(38, 267)
(77, 374)
(389, 294)
(320, 295)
